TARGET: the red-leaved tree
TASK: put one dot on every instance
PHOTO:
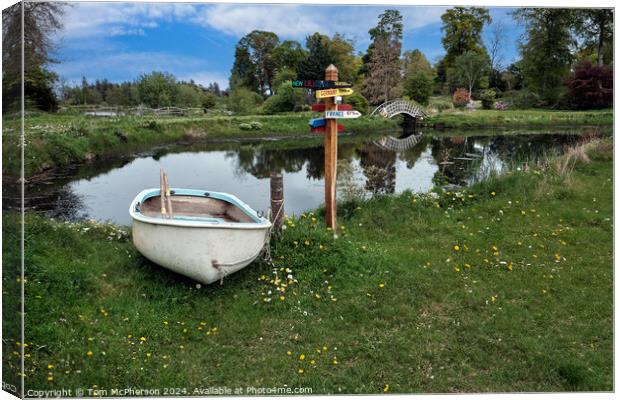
(590, 86)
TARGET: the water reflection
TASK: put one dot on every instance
(374, 165)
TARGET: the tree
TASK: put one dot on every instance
(342, 54)
(419, 76)
(260, 45)
(462, 31)
(157, 89)
(547, 50)
(288, 55)
(41, 22)
(590, 86)
(313, 67)
(596, 28)
(469, 70)
(384, 65)
(381, 84)
(496, 41)
(390, 24)
(243, 74)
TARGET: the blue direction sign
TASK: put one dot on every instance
(317, 122)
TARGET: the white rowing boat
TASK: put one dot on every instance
(211, 235)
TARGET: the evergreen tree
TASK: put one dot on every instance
(243, 74)
(546, 52)
(313, 67)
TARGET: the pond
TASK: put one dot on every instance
(368, 165)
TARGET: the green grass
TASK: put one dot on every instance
(511, 118)
(524, 303)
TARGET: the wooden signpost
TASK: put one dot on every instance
(320, 107)
(327, 90)
(342, 114)
(323, 94)
(317, 85)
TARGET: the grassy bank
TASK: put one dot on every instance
(512, 118)
(61, 139)
(57, 140)
(504, 287)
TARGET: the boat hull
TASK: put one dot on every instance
(202, 250)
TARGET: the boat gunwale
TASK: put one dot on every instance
(259, 222)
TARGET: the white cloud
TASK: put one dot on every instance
(106, 19)
(298, 21)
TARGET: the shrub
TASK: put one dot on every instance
(487, 98)
(243, 101)
(523, 99)
(419, 86)
(359, 102)
(256, 125)
(286, 99)
(245, 127)
(590, 86)
(460, 98)
(501, 106)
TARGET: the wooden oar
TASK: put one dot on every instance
(162, 193)
(168, 195)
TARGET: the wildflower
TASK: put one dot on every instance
(493, 298)
(456, 247)
(142, 339)
(334, 361)
(312, 362)
(381, 285)
(492, 193)
(50, 366)
(300, 371)
(307, 243)
(282, 298)
(302, 357)
(457, 269)
(289, 353)
(181, 347)
(129, 336)
(148, 354)
(324, 348)
(89, 353)
(50, 378)
(165, 322)
(386, 388)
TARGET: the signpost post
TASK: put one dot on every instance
(328, 90)
(331, 153)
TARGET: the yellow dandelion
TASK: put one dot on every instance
(50, 378)
(456, 247)
(89, 353)
(312, 362)
(282, 298)
(50, 366)
(386, 388)
(300, 371)
(492, 193)
(289, 353)
(302, 357)
(142, 339)
(381, 285)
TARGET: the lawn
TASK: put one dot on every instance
(510, 118)
(506, 286)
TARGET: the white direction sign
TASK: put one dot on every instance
(342, 114)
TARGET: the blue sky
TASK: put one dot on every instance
(119, 41)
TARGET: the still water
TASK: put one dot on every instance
(366, 166)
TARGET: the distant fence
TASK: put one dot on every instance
(106, 111)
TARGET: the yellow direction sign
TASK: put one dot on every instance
(321, 94)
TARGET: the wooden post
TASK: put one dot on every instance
(277, 200)
(331, 154)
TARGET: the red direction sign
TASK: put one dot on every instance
(322, 129)
(320, 107)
